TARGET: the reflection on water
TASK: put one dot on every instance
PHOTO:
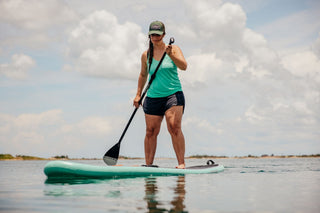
(117, 188)
(180, 193)
(158, 199)
(74, 181)
(151, 191)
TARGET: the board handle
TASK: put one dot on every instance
(210, 162)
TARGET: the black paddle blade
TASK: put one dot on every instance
(112, 155)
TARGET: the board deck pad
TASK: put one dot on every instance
(68, 169)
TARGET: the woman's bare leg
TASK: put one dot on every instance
(153, 124)
(174, 118)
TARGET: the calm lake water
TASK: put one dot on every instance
(246, 185)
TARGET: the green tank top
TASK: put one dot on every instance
(167, 81)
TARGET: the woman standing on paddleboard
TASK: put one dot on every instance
(165, 97)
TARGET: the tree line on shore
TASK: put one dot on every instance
(27, 157)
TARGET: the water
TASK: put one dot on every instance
(246, 185)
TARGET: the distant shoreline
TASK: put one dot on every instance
(9, 157)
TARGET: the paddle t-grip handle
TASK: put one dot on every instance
(171, 41)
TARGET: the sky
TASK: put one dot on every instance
(69, 71)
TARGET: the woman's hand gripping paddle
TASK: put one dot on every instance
(112, 155)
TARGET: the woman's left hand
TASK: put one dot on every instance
(169, 49)
(175, 53)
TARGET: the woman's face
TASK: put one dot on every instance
(155, 38)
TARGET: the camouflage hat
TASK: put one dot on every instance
(157, 27)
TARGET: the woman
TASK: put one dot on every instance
(165, 97)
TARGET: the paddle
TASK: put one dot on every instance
(112, 155)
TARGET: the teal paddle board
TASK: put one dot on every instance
(68, 169)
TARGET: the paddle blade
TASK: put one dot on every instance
(110, 161)
(112, 155)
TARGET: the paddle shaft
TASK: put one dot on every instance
(144, 93)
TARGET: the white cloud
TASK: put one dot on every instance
(270, 104)
(28, 127)
(249, 5)
(34, 24)
(28, 133)
(316, 46)
(254, 116)
(49, 132)
(206, 67)
(201, 124)
(294, 30)
(303, 64)
(237, 50)
(18, 68)
(89, 125)
(216, 25)
(35, 15)
(100, 46)
(35, 121)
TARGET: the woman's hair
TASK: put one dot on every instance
(150, 52)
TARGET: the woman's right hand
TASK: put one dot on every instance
(136, 101)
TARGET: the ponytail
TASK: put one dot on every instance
(150, 52)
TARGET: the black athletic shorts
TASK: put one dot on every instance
(158, 106)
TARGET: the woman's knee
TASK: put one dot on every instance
(174, 129)
(153, 124)
(152, 131)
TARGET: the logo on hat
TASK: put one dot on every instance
(155, 27)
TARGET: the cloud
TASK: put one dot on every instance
(234, 52)
(206, 65)
(89, 125)
(303, 64)
(35, 121)
(275, 97)
(34, 23)
(316, 47)
(35, 15)
(27, 131)
(221, 29)
(203, 124)
(100, 46)
(50, 132)
(215, 24)
(18, 68)
(294, 30)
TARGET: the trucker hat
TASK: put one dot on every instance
(157, 27)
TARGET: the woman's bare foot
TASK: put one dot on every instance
(181, 166)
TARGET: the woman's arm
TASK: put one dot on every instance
(177, 57)
(142, 79)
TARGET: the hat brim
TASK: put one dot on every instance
(155, 32)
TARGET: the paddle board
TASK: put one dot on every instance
(68, 169)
